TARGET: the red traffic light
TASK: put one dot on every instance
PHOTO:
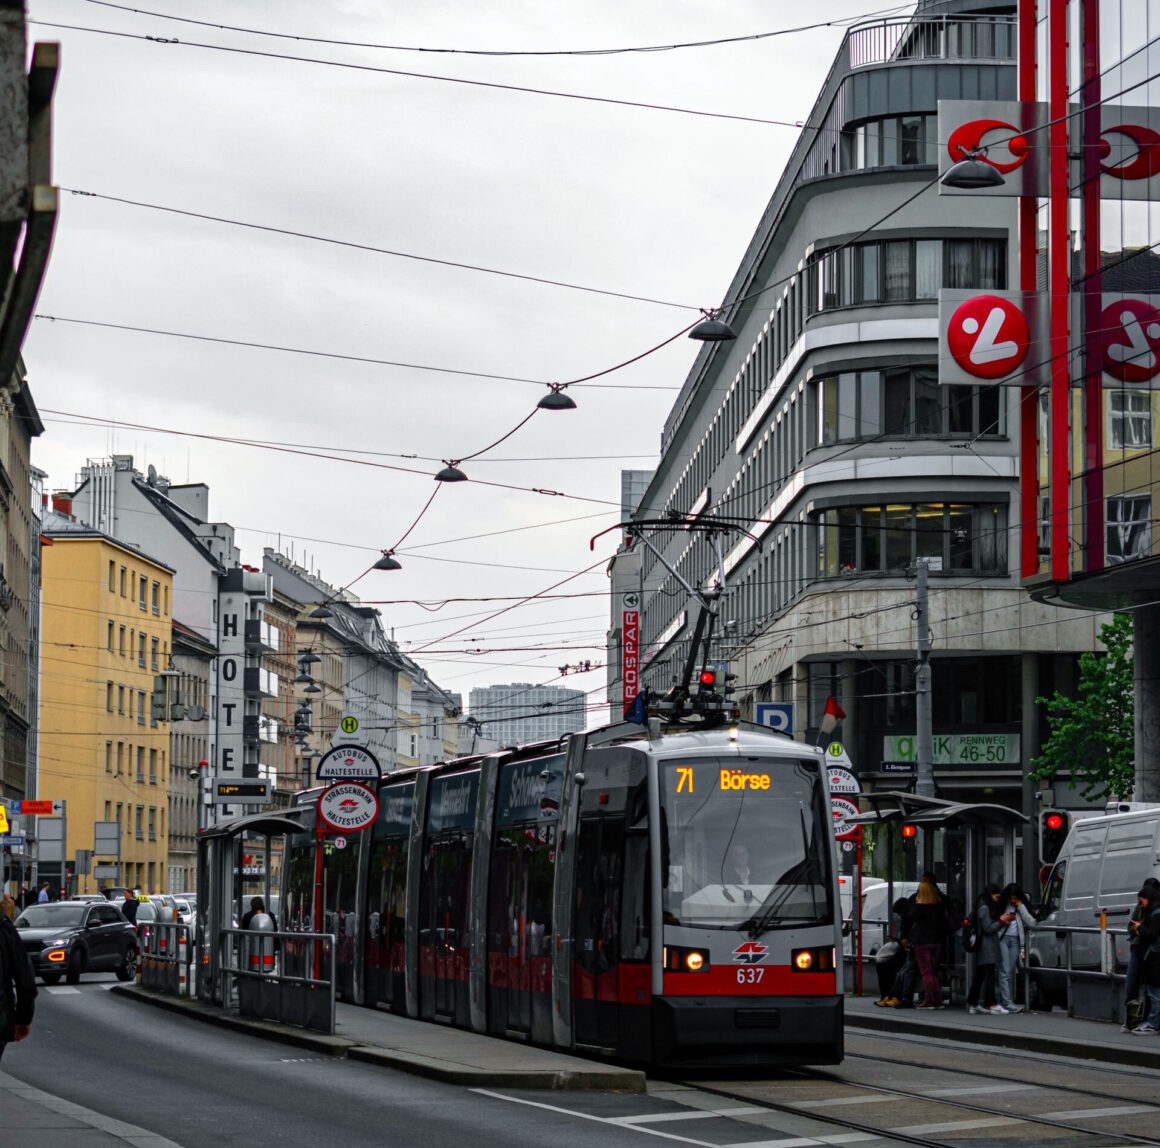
(1054, 821)
(708, 677)
(909, 831)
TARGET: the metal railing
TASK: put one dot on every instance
(165, 957)
(1105, 962)
(932, 38)
(284, 977)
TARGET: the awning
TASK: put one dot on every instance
(269, 824)
(915, 809)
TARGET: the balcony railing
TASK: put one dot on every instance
(932, 38)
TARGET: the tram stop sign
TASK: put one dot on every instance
(843, 808)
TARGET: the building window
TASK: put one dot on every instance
(155, 599)
(1129, 528)
(153, 653)
(1129, 420)
(140, 707)
(122, 581)
(955, 538)
(110, 637)
(121, 700)
(165, 597)
(108, 811)
(141, 648)
(112, 577)
(905, 140)
(108, 757)
(140, 819)
(143, 587)
(141, 763)
(121, 641)
(153, 767)
(152, 835)
(109, 696)
(119, 808)
(904, 402)
(120, 758)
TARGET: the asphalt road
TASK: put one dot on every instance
(200, 1085)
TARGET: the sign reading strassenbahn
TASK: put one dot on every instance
(348, 806)
(348, 763)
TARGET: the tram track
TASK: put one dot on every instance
(1004, 1118)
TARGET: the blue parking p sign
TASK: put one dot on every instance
(776, 716)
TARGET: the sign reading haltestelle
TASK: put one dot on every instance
(348, 807)
(348, 763)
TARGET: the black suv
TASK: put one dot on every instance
(67, 938)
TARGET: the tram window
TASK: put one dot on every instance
(598, 865)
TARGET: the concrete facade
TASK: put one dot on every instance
(523, 712)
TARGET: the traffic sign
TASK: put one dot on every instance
(42, 808)
(348, 763)
(349, 724)
(11, 840)
(3, 819)
(339, 843)
(348, 806)
(836, 755)
(776, 716)
(842, 809)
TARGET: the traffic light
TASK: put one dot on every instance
(909, 832)
(1054, 826)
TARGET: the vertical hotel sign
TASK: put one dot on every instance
(231, 698)
(630, 647)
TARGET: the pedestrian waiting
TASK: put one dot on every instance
(1133, 1006)
(1148, 932)
(1016, 919)
(985, 921)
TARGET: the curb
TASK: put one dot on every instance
(432, 1068)
(567, 1079)
(329, 1045)
(1008, 1038)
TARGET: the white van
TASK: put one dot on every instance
(1100, 869)
(875, 915)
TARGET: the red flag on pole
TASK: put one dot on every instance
(834, 714)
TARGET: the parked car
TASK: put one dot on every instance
(68, 938)
(1099, 870)
(184, 910)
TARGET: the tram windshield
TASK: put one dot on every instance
(747, 843)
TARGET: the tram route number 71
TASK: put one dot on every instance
(684, 779)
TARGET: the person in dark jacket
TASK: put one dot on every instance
(981, 996)
(1132, 979)
(1148, 930)
(925, 931)
(129, 907)
(17, 983)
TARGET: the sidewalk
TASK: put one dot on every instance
(1053, 1033)
(423, 1048)
(32, 1116)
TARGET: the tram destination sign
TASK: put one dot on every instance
(348, 763)
(233, 792)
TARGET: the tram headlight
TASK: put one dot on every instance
(819, 960)
(803, 960)
(681, 960)
(694, 961)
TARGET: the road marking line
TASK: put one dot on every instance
(806, 1141)
(62, 991)
(588, 1116)
(840, 1101)
(129, 1133)
(953, 1126)
(692, 1114)
(981, 1089)
(1095, 1113)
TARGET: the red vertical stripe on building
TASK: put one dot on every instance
(1058, 285)
(1028, 395)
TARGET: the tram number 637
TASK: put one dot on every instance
(750, 976)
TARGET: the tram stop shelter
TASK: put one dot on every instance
(966, 845)
(224, 892)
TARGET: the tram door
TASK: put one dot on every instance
(387, 899)
(596, 972)
(340, 908)
(444, 899)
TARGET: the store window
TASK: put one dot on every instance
(1129, 420)
(1129, 528)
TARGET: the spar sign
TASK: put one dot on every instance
(630, 647)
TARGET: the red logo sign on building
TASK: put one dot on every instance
(630, 629)
(988, 337)
(966, 142)
(1131, 340)
(1143, 163)
(750, 953)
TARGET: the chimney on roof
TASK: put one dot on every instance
(62, 504)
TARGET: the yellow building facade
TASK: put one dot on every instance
(105, 633)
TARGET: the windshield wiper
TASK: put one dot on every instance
(767, 917)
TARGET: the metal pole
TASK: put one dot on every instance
(924, 740)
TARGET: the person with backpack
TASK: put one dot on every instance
(981, 935)
(1148, 931)
(17, 981)
(1132, 978)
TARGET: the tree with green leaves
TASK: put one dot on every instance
(1093, 735)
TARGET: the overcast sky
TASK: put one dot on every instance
(647, 202)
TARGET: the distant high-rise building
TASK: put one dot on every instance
(633, 484)
(521, 712)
